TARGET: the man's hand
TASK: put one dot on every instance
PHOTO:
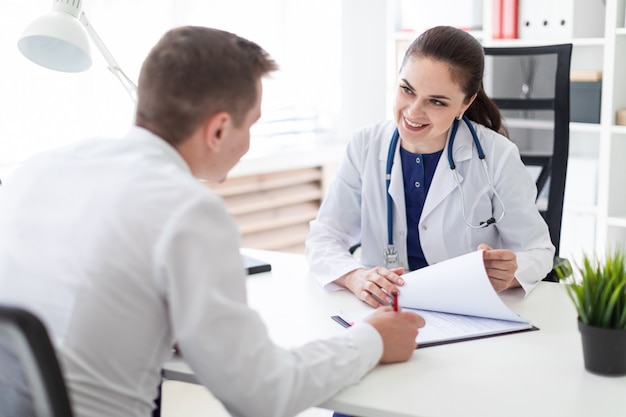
(398, 331)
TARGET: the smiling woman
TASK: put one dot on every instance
(440, 183)
(426, 106)
(45, 109)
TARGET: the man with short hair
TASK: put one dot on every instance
(122, 251)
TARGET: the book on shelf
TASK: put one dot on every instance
(456, 299)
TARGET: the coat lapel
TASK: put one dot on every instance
(396, 186)
(443, 181)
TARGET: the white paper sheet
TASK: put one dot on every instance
(457, 301)
(458, 285)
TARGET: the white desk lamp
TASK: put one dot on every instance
(58, 41)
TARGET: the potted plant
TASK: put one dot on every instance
(598, 291)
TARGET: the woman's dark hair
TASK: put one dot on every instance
(466, 58)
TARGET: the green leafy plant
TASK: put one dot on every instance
(598, 291)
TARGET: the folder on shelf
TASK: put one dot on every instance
(496, 14)
(505, 19)
(456, 299)
(509, 19)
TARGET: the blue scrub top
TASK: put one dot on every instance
(417, 171)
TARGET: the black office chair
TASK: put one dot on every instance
(31, 382)
(531, 86)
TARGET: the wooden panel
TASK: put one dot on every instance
(242, 185)
(274, 198)
(277, 217)
(277, 238)
(273, 210)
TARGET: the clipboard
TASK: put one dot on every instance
(456, 338)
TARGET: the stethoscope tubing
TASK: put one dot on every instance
(392, 149)
(481, 155)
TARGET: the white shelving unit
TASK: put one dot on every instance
(594, 217)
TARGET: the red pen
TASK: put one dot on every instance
(395, 300)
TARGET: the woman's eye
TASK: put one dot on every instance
(406, 89)
(437, 102)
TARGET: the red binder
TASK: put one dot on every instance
(497, 19)
(509, 19)
(505, 19)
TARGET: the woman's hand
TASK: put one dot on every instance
(374, 286)
(501, 265)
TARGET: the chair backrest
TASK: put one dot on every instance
(531, 87)
(31, 382)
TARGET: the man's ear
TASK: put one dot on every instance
(215, 129)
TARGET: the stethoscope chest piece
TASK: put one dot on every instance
(390, 255)
(481, 156)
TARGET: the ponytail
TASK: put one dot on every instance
(484, 111)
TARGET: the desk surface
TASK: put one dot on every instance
(527, 374)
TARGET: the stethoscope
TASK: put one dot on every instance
(390, 253)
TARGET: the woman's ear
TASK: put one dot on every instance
(215, 129)
(469, 102)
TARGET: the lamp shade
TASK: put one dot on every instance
(58, 41)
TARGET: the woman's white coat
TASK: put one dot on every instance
(355, 208)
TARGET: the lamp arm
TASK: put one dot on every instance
(127, 83)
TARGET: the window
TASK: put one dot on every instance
(43, 109)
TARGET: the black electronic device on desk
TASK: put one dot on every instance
(255, 266)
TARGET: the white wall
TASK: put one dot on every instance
(42, 109)
(365, 30)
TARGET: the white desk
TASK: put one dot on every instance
(539, 373)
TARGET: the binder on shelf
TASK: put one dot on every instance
(497, 19)
(505, 19)
(509, 19)
(585, 101)
(566, 19)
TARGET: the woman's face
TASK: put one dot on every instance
(427, 102)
